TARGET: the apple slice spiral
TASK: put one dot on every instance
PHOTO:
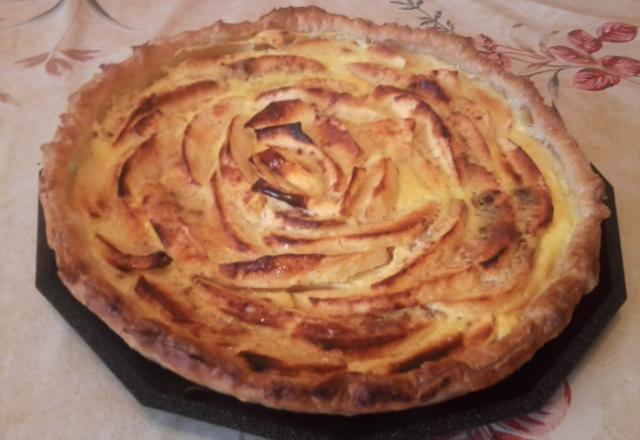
(314, 211)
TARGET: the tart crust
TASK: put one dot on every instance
(342, 391)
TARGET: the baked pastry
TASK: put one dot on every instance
(322, 214)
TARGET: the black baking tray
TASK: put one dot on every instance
(524, 391)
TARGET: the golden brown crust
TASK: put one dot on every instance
(169, 335)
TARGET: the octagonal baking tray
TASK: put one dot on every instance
(524, 391)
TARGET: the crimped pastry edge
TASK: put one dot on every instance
(350, 393)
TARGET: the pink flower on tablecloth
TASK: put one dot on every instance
(584, 40)
(489, 49)
(57, 61)
(527, 427)
(594, 74)
(610, 69)
(594, 79)
(616, 32)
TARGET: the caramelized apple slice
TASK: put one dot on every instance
(269, 64)
(347, 107)
(224, 217)
(163, 301)
(331, 236)
(429, 90)
(438, 251)
(174, 233)
(180, 99)
(379, 74)
(293, 138)
(290, 171)
(319, 97)
(364, 332)
(364, 303)
(392, 137)
(385, 193)
(432, 137)
(295, 200)
(385, 54)
(287, 270)
(127, 262)
(246, 309)
(242, 145)
(532, 198)
(439, 348)
(282, 113)
(139, 167)
(475, 112)
(470, 138)
(334, 138)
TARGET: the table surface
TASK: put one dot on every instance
(53, 386)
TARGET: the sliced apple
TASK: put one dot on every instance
(385, 194)
(203, 138)
(392, 137)
(176, 236)
(288, 270)
(471, 139)
(429, 90)
(333, 335)
(270, 64)
(282, 113)
(334, 138)
(381, 53)
(475, 112)
(242, 145)
(248, 310)
(145, 117)
(292, 137)
(372, 192)
(140, 167)
(366, 303)
(235, 232)
(163, 301)
(379, 74)
(290, 171)
(313, 95)
(330, 236)
(128, 262)
(532, 197)
(437, 253)
(434, 137)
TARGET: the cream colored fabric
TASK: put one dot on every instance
(52, 386)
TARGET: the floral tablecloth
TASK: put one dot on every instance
(584, 57)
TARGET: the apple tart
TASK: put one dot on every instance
(322, 214)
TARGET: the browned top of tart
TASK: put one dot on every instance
(316, 221)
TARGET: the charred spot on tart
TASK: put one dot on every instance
(295, 200)
(279, 113)
(276, 133)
